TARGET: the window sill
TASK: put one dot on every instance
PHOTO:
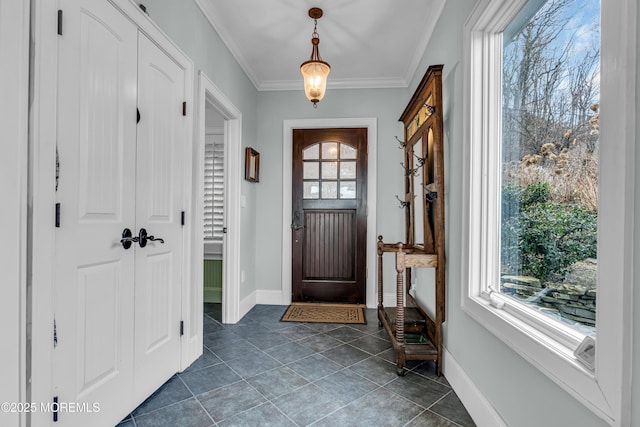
(552, 357)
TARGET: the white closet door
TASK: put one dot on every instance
(159, 197)
(94, 274)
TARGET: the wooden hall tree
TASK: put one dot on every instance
(415, 334)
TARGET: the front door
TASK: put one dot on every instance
(329, 222)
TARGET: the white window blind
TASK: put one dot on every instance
(213, 188)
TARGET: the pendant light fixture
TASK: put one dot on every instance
(315, 70)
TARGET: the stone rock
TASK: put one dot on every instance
(523, 280)
(519, 289)
(584, 273)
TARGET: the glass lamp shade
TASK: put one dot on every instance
(315, 79)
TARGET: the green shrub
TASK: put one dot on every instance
(541, 238)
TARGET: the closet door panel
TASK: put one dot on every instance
(93, 277)
(159, 197)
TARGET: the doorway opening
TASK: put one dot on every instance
(214, 220)
(217, 238)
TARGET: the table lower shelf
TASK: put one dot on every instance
(415, 345)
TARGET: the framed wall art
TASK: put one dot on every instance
(251, 165)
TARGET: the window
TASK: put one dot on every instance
(503, 106)
(213, 188)
(329, 171)
(549, 160)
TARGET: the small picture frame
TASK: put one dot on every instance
(251, 165)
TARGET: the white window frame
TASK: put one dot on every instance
(547, 344)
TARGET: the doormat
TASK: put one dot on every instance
(324, 313)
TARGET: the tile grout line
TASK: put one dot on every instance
(438, 414)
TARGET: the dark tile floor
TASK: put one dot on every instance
(263, 372)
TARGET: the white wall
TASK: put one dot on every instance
(273, 107)
(186, 25)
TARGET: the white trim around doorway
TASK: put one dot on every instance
(371, 124)
(210, 93)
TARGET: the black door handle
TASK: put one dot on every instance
(143, 237)
(127, 238)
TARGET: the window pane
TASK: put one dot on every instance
(312, 152)
(329, 170)
(311, 190)
(550, 146)
(310, 170)
(347, 189)
(347, 151)
(329, 190)
(329, 150)
(347, 170)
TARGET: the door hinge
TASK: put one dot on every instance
(59, 22)
(54, 409)
(182, 218)
(224, 230)
(137, 115)
(55, 333)
(184, 108)
(57, 215)
(181, 328)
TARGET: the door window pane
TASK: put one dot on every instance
(311, 190)
(310, 170)
(312, 152)
(329, 170)
(329, 150)
(347, 170)
(347, 151)
(347, 189)
(329, 190)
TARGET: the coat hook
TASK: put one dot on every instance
(431, 192)
(410, 171)
(402, 143)
(421, 160)
(403, 203)
(431, 108)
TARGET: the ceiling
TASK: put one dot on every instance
(369, 44)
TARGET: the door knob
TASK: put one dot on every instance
(296, 223)
(143, 237)
(127, 238)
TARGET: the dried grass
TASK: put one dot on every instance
(572, 173)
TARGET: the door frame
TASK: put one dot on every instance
(371, 124)
(41, 193)
(209, 92)
(14, 113)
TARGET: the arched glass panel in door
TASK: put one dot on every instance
(329, 171)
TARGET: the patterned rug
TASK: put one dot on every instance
(324, 313)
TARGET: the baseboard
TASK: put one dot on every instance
(247, 304)
(477, 405)
(268, 297)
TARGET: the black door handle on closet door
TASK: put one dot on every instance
(143, 237)
(127, 238)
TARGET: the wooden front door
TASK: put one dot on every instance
(329, 215)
